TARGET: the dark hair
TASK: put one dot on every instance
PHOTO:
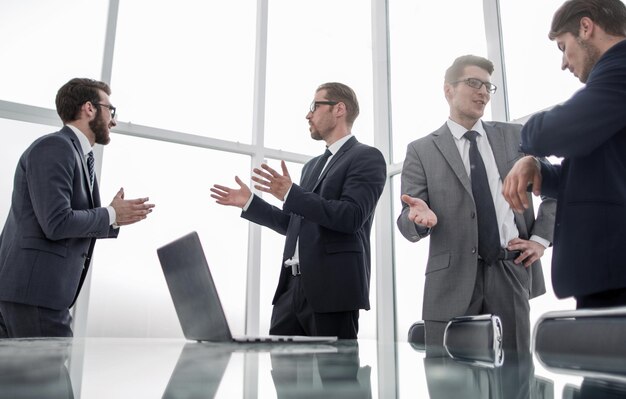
(342, 93)
(610, 15)
(454, 72)
(72, 95)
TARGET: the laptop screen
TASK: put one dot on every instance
(193, 291)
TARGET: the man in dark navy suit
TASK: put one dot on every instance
(56, 217)
(327, 220)
(589, 132)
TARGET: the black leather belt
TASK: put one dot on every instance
(505, 254)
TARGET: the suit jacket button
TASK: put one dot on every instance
(474, 250)
(473, 215)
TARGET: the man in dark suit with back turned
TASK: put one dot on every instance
(324, 279)
(482, 257)
(589, 132)
(55, 216)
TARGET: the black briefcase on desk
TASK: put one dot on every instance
(475, 339)
(588, 342)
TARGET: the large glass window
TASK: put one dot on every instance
(325, 41)
(16, 137)
(272, 245)
(46, 43)
(533, 62)
(411, 259)
(127, 286)
(187, 67)
(425, 38)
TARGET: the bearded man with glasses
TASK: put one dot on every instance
(326, 218)
(56, 216)
(483, 258)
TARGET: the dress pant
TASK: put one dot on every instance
(292, 315)
(18, 320)
(604, 299)
(501, 289)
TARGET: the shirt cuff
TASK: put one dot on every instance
(247, 205)
(287, 193)
(540, 240)
(112, 217)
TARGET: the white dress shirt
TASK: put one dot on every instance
(87, 148)
(504, 214)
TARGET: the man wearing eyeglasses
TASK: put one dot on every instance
(589, 132)
(483, 258)
(327, 219)
(56, 216)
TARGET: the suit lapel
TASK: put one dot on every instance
(445, 143)
(344, 148)
(498, 148)
(72, 136)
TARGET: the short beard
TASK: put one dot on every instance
(592, 55)
(100, 129)
(315, 135)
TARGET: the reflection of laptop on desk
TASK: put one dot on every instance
(195, 297)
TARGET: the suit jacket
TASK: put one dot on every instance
(589, 132)
(49, 235)
(334, 237)
(433, 171)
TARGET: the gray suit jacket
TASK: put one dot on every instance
(54, 220)
(433, 171)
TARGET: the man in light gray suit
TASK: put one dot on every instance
(465, 275)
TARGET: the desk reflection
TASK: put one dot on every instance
(592, 388)
(322, 375)
(298, 370)
(448, 378)
(34, 369)
(198, 372)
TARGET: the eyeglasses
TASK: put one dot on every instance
(477, 84)
(110, 107)
(314, 104)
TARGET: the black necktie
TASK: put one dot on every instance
(292, 236)
(294, 223)
(316, 171)
(488, 235)
(90, 164)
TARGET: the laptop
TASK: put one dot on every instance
(195, 296)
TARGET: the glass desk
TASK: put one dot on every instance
(169, 368)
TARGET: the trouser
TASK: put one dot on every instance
(604, 299)
(18, 320)
(500, 289)
(292, 315)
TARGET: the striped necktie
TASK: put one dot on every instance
(90, 166)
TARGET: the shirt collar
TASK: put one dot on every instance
(82, 139)
(458, 131)
(334, 147)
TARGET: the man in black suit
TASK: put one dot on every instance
(324, 279)
(589, 132)
(55, 216)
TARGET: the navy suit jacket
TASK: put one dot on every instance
(334, 238)
(54, 220)
(589, 132)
